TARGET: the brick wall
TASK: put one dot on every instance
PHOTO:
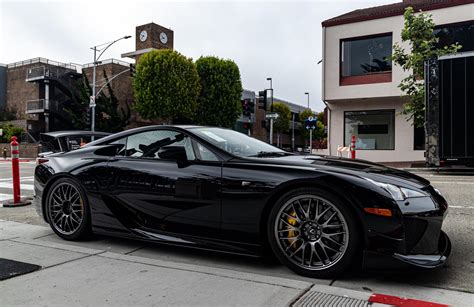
(26, 150)
(19, 91)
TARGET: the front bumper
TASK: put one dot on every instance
(430, 261)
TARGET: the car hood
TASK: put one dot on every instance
(361, 168)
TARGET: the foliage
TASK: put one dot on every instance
(166, 85)
(10, 130)
(282, 123)
(109, 117)
(418, 31)
(318, 132)
(221, 89)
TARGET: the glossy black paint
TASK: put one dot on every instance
(224, 204)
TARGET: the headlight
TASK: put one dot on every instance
(398, 193)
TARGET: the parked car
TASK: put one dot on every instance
(219, 189)
(59, 141)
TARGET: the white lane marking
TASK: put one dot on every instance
(21, 178)
(460, 207)
(9, 185)
(452, 182)
(5, 196)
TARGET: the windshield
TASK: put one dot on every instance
(238, 143)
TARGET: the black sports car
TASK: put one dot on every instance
(218, 189)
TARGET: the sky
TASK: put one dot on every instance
(277, 39)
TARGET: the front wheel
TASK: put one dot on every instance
(313, 233)
(67, 210)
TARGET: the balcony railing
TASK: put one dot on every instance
(40, 106)
(43, 72)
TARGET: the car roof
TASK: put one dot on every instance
(56, 134)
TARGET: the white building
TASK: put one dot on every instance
(360, 85)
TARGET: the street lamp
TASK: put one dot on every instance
(307, 94)
(271, 110)
(96, 59)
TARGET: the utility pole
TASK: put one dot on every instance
(92, 104)
(293, 132)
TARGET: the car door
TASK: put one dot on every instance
(160, 197)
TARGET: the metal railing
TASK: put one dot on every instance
(40, 106)
(108, 61)
(44, 61)
(43, 72)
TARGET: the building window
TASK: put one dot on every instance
(374, 130)
(366, 60)
(462, 33)
(419, 138)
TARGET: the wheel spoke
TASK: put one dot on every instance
(288, 229)
(324, 251)
(330, 248)
(297, 250)
(296, 213)
(323, 213)
(329, 219)
(292, 217)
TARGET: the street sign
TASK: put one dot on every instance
(272, 116)
(310, 123)
(92, 101)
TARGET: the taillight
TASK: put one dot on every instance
(41, 161)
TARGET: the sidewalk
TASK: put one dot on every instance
(74, 275)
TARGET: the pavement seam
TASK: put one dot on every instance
(55, 247)
(71, 260)
(206, 273)
(134, 250)
(303, 292)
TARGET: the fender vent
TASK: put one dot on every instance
(314, 298)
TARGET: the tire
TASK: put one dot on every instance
(68, 210)
(317, 244)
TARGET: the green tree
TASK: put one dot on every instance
(10, 130)
(282, 123)
(7, 114)
(418, 31)
(221, 90)
(110, 117)
(166, 85)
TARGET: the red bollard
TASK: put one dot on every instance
(353, 147)
(15, 169)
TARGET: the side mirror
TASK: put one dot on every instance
(177, 153)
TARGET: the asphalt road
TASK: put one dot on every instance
(379, 275)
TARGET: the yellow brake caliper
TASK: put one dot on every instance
(291, 233)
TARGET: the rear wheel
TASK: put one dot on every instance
(313, 233)
(67, 210)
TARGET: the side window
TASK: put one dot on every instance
(120, 146)
(147, 144)
(205, 154)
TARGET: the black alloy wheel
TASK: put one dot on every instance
(313, 233)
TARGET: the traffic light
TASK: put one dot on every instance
(262, 100)
(246, 126)
(132, 70)
(246, 109)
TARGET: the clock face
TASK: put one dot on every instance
(143, 35)
(163, 38)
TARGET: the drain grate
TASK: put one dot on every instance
(314, 298)
(12, 268)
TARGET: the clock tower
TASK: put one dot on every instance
(150, 37)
